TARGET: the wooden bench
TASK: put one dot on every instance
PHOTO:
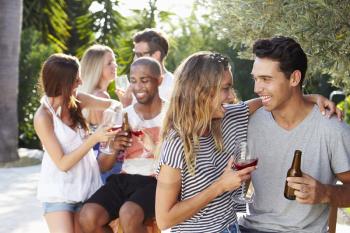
(151, 226)
(332, 219)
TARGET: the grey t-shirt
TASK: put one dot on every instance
(325, 146)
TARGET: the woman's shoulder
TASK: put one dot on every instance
(172, 152)
(172, 139)
(41, 113)
(42, 117)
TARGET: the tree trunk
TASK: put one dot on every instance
(10, 30)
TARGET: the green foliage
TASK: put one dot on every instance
(50, 18)
(321, 26)
(104, 26)
(76, 9)
(33, 53)
(319, 83)
(191, 36)
(345, 106)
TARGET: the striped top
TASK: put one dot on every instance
(210, 164)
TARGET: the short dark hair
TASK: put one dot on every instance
(286, 51)
(149, 62)
(156, 40)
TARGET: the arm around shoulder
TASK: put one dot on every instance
(94, 102)
(253, 105)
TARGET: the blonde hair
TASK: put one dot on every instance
(196, 91)
(91, 66)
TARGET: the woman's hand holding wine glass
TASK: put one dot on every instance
(243, 160)
(103, 134)
(231, 180)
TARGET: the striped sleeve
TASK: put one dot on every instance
(238, 111)
(171, 153)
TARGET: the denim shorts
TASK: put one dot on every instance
(50, 207)
(247, 230)
(233, 228)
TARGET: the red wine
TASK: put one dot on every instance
(241, 164)
(137, 133)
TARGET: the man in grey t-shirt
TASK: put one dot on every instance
(286, 123)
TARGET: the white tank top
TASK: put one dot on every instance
(75, 185)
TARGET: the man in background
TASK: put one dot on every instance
(150, 43)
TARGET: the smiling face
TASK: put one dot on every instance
(144, 84)
(226, 95)
(109, 66)
(273, 87)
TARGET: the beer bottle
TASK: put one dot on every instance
(126, 126)
(294, 171)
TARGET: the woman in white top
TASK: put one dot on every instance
(69, 171)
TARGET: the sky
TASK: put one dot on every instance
(181, 7)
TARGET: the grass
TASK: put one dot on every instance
(22, 162)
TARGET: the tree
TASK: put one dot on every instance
(196, 33)
(33, 53)
(10, 29)
(50, 18)
(78, 40)
(104, 26)
(322, 27)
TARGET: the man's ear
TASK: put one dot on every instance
(160, 80)
(157, 55)
(295, 78)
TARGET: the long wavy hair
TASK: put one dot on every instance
(57, 77)
(91, 66)
(196, 92)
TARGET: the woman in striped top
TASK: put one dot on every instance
(195, 179)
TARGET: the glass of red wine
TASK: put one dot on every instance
(243, 159)
(143, 133)
(113, 119)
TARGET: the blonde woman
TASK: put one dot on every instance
(196, 181)
(98, 69)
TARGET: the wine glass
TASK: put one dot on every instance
(143, 137)
(122, 83)
(114, 120)
(243, 159)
